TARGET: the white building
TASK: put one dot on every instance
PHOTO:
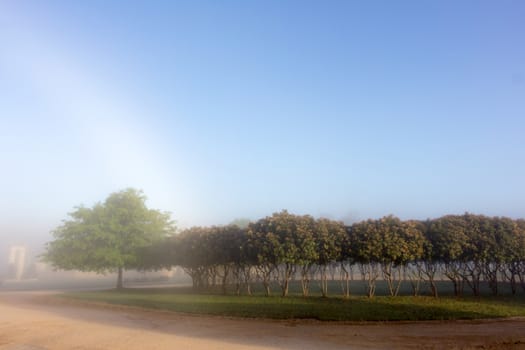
(17, 262)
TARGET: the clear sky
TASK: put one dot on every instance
(228, 109)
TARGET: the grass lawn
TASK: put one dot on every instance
(357, 308)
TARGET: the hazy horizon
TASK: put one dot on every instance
(229, 110)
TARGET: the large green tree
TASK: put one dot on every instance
(109, 236)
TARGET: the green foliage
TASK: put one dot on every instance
(330, 237)
(388, 242)
(466, 248)
(283, 242)
(122, 233)
(109, 236)
(284, 238)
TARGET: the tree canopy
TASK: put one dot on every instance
(122, 233)
(109, 236)
(467, 249)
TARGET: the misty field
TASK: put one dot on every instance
(336, 308)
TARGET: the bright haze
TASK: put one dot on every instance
(236, 109)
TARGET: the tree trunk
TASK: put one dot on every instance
(285, 288)
(513, 284)
(491, 275)
(370, 273)
(413, 273)
(324, 281)
(120, 285)
(389, 274)
(433, 288)
(264, 273)
(285, 272)
(267, 291)
(429, 270)
(305, 279)
(345, 279)
(224, 279)
(247, 272)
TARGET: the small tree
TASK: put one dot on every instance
(329, 239)
(401, 243)
(366, 243)
(109, 236)
(283, 242)
(192, 251)
(449, 240)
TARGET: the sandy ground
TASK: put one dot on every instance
(31, 320)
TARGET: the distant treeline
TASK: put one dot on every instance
(468, 249)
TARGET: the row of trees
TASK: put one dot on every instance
(467, 249)
(122, 233)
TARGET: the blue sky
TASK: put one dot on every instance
(228, 109)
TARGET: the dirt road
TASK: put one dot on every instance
(33, 320)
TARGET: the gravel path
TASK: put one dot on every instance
(34, 320)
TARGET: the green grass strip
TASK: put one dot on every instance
(401, 308)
